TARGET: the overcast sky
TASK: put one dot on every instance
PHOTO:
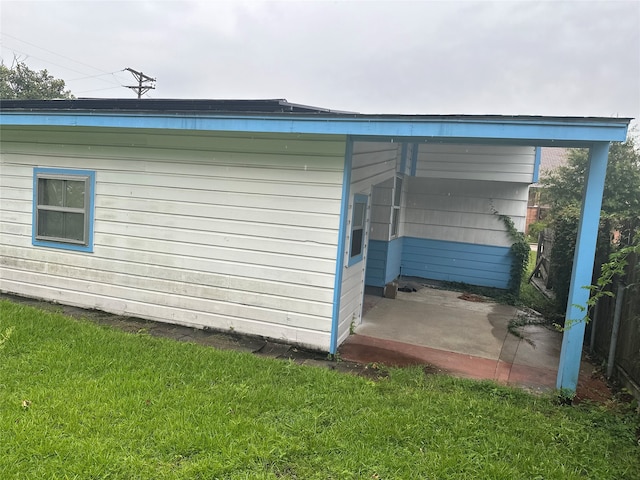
(508, 57)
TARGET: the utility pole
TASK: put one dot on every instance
(142, 79)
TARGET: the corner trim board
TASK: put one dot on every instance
(344, 211)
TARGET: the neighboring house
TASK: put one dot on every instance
(550, 159)
(262, 217)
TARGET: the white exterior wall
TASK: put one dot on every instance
(381, 204)
(461, 210)
(372, 163)
(457, 187)
(476, 162)
(227, 231)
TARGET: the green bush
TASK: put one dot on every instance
(534, 230)
(565, 226)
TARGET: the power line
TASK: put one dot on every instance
(95, 76)
(54, 53)
(113, 80)
(92, 76)
(28, 55)
(145, 83)
(100, 89)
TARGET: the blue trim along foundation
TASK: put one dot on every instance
(342, 236)
(573, 336)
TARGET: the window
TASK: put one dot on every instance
(395, 210)
(358, 222)
(63, 208)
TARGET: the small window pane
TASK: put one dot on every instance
(61, 225)
(50, 224)
(358, 214)
(356, 242)
(74, 226)
(50, 192)
(395, 222)
(398, 192)
(75, 194)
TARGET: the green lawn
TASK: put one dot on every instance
(106, 404)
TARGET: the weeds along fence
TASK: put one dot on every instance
(627, 341)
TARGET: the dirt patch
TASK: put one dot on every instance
(471, 297)
(593, 387)
(384, 357)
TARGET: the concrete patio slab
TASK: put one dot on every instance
(470, 339)
(439, 319)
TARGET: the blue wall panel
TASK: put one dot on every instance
(383, 262)
(482, 265)
(394, 259)
(376, 263)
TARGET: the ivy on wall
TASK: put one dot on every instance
(520, 252)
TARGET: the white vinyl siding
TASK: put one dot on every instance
(220, 230)
(461, 210)
(476, 162)
(381, 207)
(372, 163)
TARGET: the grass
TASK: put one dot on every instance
(82, 401)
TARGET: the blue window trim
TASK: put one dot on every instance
(358, 199)
(91, 175)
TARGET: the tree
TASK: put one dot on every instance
(21, 83)
(621, 198)
(620, 214)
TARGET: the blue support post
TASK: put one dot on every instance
(583, 261)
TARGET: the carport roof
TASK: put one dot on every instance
(280, 116)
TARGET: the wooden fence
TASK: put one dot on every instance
(541, 275)
(627, 341)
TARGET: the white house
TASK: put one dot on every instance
(265, 217)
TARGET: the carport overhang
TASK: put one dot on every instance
(594, 133)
